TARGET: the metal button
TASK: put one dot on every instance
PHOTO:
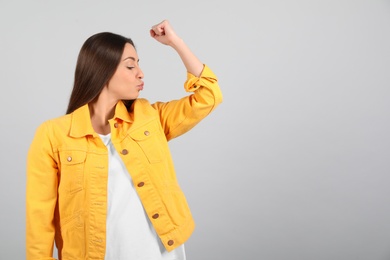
(155, 216)
(116, 125)
(69, 158)
(170, 242)
(124, 151)
(141, 184)
(146, 133)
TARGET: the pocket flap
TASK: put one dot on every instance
(70, 157)
(141, 134)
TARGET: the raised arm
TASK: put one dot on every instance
(179, 116)
(164, 33)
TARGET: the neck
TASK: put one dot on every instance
(101, 111)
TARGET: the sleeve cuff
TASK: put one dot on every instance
(206, 77)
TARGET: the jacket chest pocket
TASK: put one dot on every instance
(72, 170)
(150, 140)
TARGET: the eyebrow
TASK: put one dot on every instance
(131, 58)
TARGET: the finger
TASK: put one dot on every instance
(159, 29)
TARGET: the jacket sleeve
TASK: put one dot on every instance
(41, 196)
(179, 116)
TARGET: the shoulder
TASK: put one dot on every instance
(54, 124)
(46, 132)
(60, 121)
(142, 108)
(141, 102)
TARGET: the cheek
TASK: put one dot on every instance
(129, 78)
(122, 81)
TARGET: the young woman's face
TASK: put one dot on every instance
(126, 83)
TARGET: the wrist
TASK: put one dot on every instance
(177, 44)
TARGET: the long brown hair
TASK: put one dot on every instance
(96, 64)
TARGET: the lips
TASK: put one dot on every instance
(141, 86)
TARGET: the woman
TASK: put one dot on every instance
(100, 180)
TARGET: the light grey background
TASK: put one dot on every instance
(294, 165)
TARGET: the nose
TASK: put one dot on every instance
(140, 74)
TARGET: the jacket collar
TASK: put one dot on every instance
(81, 120)
(122, 113)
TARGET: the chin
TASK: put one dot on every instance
(132, 97)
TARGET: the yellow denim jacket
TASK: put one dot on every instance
(67, 170)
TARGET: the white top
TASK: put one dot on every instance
(129, 232)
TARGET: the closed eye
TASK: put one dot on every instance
(130, 68)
